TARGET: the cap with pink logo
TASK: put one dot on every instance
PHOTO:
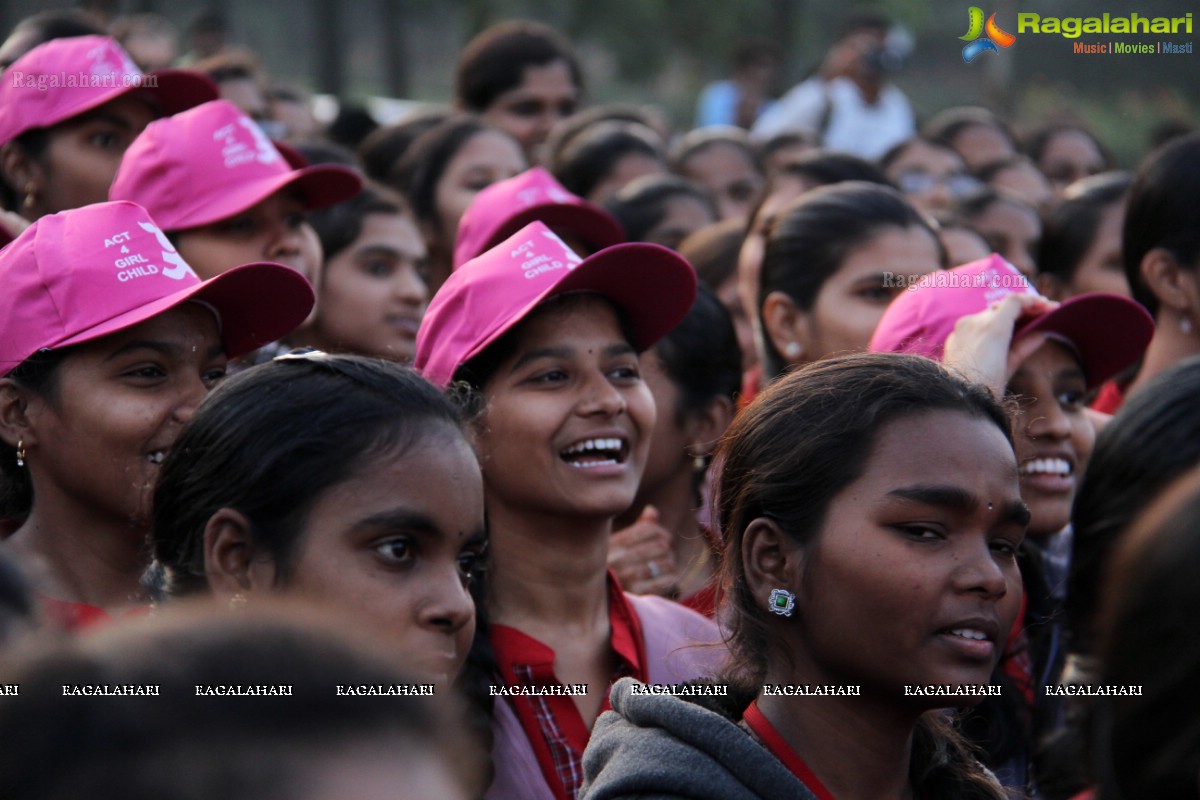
(81, 274)
(212, 162)
(502, 209)
(491, 294)
(63, 78)
(1108, 332)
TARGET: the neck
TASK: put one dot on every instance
(1169, 346)
(547, 571)
(859, 747)
(79, 557)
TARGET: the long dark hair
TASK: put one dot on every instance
(787, 455)
(271, 440)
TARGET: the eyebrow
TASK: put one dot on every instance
(412, 522)
(618, 349)
(957, 499)
(103, 116)
(165, 349)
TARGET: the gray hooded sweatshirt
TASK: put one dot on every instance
(663, 746)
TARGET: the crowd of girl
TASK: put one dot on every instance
(625, 464)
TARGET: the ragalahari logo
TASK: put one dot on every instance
(995, 36)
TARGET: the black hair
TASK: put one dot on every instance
(1148, 745)
(592, 154)
(271, 440)
(1152, 440)
(34, 143)
(580, 121)
(1163, 212)
(351, 126)
(38, 374)
(1071, 226)
(182, 745)
(825, 167)
(1037, 142)
(44, 26)
(385, 146)
(947, 125)
(642, 203)
(988, 172)
(900, 148)
(787, 455)
(417, 173)
(699, 140)
(713, 251)
(701, 356)
(495, 61)
(339, 225)
(808, 241)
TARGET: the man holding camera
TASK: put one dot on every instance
(848, 104)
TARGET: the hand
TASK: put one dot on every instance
(981, 344)
(642, 558)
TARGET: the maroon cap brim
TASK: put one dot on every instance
(1110, 332)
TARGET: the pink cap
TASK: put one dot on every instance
(1109, 332)
(81, 274)
(213, 162)
(63, 78)
(503, 208)
(489, 295)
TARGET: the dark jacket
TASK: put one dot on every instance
(662, 746)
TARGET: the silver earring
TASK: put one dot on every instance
(1185, 324)
(782, 602)
(792, 350)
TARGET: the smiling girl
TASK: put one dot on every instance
(363, 494)
(108, 341)
(550, 343)
(872, 515)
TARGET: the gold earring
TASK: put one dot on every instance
(20, 452)
(30, 195)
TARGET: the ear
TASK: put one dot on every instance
(14, 414)
(771, 560)
(19, 169)
(1173, 285)
(232, 562)
(705, 427)
(785, 326)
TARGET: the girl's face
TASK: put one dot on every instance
(684, 216)
(372, 292)
(1102, 268)
(396, 543)
(568, 421)
(1012, 231)
(749, 268)
(729, 176)
(980, 145)
(913, 578)
(625, 170)
(1025, 181)
(852, 301)
(273, 230)
(119, 404)
(546, 96)
(670, 442)
(930, 177)
(83, 153)
(1054, 436)
(1069, 156)
(484, 159)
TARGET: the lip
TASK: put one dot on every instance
(974, 649)
(405, 324)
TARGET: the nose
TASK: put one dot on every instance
(600, 397)
(981, 573)
(448, 606)
(1047, 420)
(410, 289)
(285, 244)
(191, 394)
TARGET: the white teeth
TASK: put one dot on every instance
(593, 444)
(587, 465)
(967, 633)
(1047, 466)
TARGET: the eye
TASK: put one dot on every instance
(295, 219)
(626, 372)
(554, 375)
(378, 268)
(877, 294)
(105, 140)
(526, 108)
(242, 225)
(1071, 399)
(922, 533)
(146, 372)
(1004, 547)
(472, 564)
(397, 549)
(214, 376)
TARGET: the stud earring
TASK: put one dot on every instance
(20, 452)
(782, 602)
(237, 602)
(30, 195)
(1185, 324)
(792, 350)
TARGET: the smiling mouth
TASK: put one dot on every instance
(1058, 467)
(598, 452)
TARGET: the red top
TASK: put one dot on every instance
(70, 616)
(703, 602)
(1110, 398)
(779, 748)
(552, 723)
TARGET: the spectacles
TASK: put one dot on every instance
(919, 181)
